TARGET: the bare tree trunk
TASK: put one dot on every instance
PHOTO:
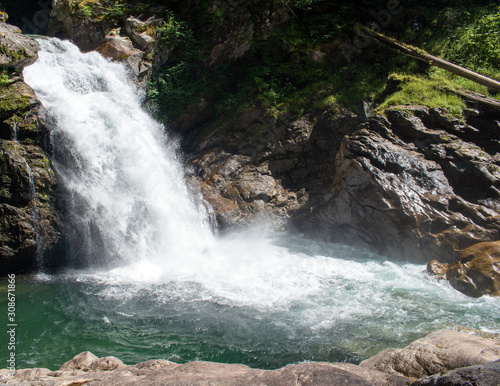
(433, 60)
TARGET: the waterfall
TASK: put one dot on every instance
(157, 283)
(126, 199)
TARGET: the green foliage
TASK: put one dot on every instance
(116, 11)
(280, 73)
(180, 82)
(175, 33)
(174, 90)
(477, 42)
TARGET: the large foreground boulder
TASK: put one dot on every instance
(487, 374)
(440, 351)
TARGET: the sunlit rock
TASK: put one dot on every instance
(16, 50)
(484, 374)
(440, 351)
(476, 272)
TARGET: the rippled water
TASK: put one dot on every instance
(266, 306)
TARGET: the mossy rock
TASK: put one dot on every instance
(16, 50)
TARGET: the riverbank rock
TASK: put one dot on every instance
(441, 351)
(476, 272)
(437, 352)
(16, 50)
(87, 369)
(485, 374)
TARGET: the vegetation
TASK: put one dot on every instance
(303, 66)
(5, 78)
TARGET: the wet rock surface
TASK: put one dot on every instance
(403, 184)
(29, 225)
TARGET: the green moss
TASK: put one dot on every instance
(6, 79)
(423, 90)
(13, 55)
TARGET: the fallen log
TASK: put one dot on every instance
(474, 97)
(423, 56)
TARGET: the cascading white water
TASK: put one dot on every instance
(128, 199)
(158, 274)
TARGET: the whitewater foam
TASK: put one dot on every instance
(126, 197)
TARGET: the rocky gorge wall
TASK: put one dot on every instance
(412, 182)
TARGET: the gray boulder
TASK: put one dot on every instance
(16, 50)
(487, 374)
(87, 369)
(440, 351)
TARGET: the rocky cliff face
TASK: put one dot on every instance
(411, 184)
(29, 225)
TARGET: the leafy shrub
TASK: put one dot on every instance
(477, 42)
(174, 90)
